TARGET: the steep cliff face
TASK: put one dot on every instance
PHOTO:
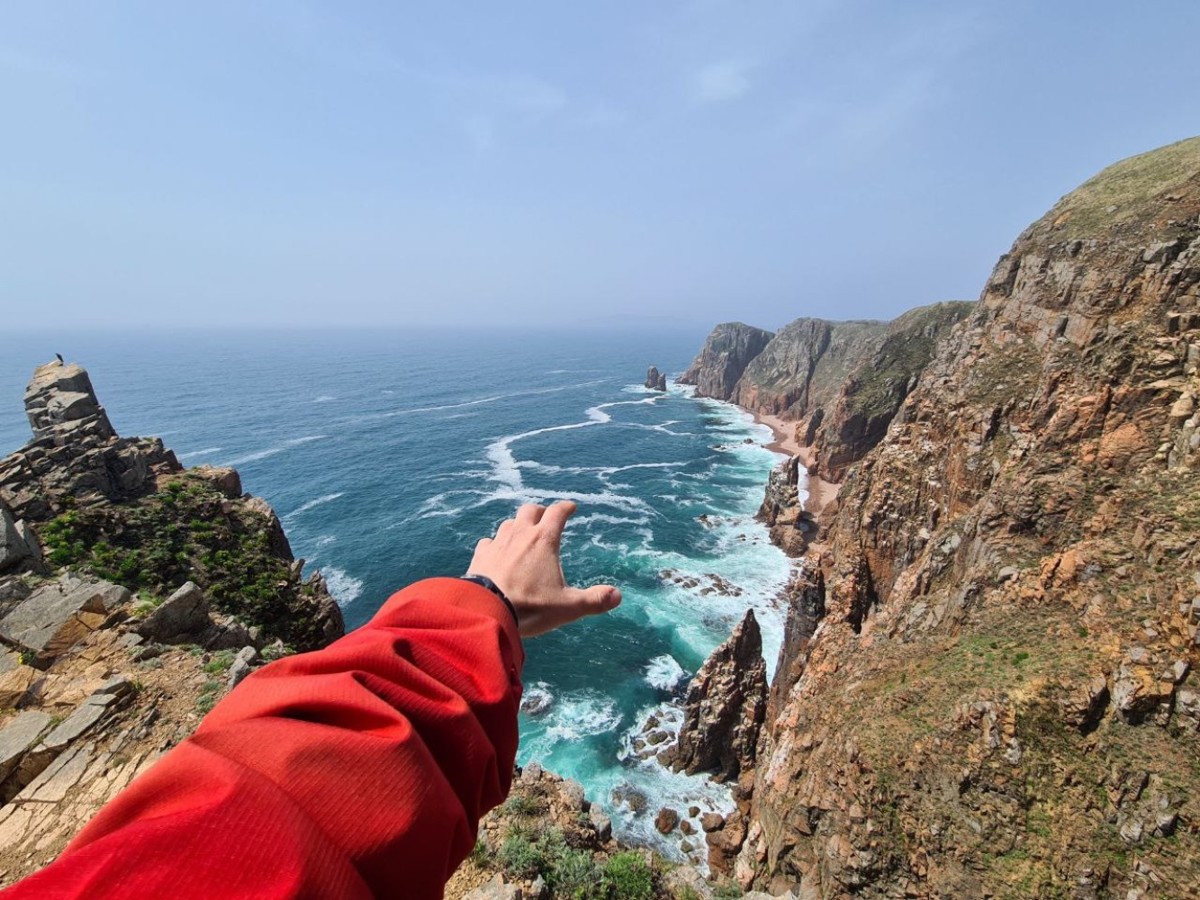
(855, 409)
(986, 685)
(805, 365)
(723, 359)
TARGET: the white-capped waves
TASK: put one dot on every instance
(207, 451)
(664, 673)
(311, 504)
(343, 587)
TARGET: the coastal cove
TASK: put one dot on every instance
(385, 459)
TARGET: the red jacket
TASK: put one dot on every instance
(357, 771)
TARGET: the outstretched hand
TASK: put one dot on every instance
(523, 560)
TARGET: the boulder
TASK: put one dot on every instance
(666, 820)
(241, 665)
(496, 889)
(655, 380)
(180, 618)
(56, 616)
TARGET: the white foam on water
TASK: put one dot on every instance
(324, 398)
(536, 699)
(573, 715)
(273, 451)
(194, 453)
(343, 587)
(664, 673)
(661, 787)
(311, 504)
(325, 540)
(604, 519)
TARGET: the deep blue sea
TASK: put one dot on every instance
(387, 454)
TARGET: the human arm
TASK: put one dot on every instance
(359, 770)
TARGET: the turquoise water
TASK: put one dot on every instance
(387, 455)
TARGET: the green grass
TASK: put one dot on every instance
(1133, 186)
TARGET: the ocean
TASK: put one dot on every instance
(387, 454)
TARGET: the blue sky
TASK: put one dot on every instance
(373, 163)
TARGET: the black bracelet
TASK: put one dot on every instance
(485, 582)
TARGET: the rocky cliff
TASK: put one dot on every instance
(133, 594)
(804, 366)
(729, 349)
(986, 686)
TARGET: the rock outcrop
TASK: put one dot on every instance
(730, 348)
(986, 684)
(655, 380)
(724, 708)
(125, 510)
(94, 685)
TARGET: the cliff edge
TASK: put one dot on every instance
(133, 594)
(986, 687)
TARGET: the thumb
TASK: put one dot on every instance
(599, 598)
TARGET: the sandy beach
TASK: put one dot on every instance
(820, 491)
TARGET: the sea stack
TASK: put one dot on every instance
(655, 380)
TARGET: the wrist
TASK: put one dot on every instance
(487, 583)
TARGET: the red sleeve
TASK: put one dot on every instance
(360, 770)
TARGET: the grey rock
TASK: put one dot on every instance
(117, 686)
(572, 792)
(14, 544)
(181, 616)
(496, 889)
(601, 823)
(18, 736)
(539, 890)
(241, 666)
(60, 401)
(655, 380)
(75, 725)
(684, 879)
(57, 615)
(531, 773)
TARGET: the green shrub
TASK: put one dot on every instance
(574, 874)
(627, 877)
(519, 856)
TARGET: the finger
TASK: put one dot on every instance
(505, 527)
(599, 598)
(554, 520)
(481, 543)
(530, 514)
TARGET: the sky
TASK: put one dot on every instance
(315, 164)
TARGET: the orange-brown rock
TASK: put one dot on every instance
(986, 686)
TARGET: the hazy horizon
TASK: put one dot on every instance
(308, 165)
